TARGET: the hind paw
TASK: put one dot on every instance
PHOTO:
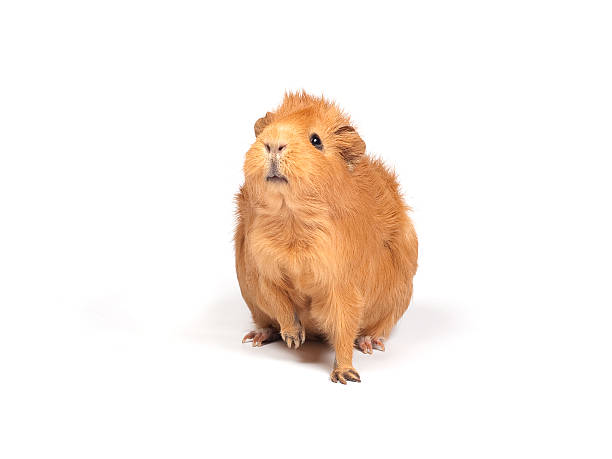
(260, 336)
(366, 344)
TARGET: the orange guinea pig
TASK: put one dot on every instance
(324, 245)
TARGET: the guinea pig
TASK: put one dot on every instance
(324, 244)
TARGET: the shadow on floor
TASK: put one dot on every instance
(227, 320)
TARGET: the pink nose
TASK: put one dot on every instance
(275, 147)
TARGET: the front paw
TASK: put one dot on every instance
(345, 374)
(293, 337)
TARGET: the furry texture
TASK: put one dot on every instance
(328, 249)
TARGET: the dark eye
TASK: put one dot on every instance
(315, 140)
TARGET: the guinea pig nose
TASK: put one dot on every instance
(275, 148)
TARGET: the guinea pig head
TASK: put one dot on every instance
(306, 147)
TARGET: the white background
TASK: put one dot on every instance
(123, 127)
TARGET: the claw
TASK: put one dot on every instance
(378, 343)
(248, 336)
(365, 344)
(353, 376)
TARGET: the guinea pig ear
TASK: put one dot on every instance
(349, 144)
(261, 123)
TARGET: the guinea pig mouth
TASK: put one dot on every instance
(277, 178)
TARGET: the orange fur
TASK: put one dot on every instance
(331, 252)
